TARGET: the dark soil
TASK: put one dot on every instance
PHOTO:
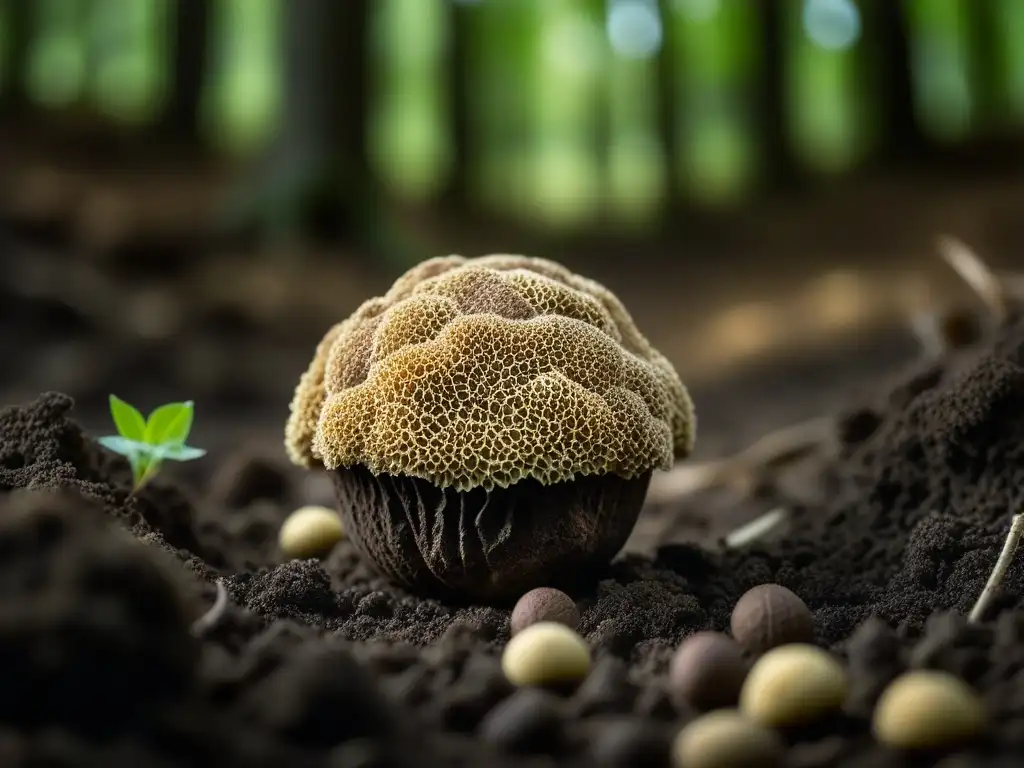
(326, 664)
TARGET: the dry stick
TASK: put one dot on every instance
(774, 450)
(925, 327)
(940, 333)
(978, 276)
(216, 612)
(686, 479)
(757, 528)
(999, 572)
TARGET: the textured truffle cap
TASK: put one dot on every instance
(480, 372)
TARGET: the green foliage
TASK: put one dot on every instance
(564, 127)
(147, 443)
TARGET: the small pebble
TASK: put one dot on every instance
(793, 685)
(607, 689)
(726, 739)
(528, 721)
(928, 709)
(655, 702)
(544, 604)
(769, 615)
(546, 653)
(959, 327)
(310, 532)
(628, 742)
(708, 671)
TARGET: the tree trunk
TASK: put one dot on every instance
(460, 75)
(779, 166)
(902, 137)
(316, 180)
(189, 57)
(19, 16)
(325, 75)
(668, 98)
(988, 76)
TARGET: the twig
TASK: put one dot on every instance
(216, 612)
(756, 528)
(789, 444)
(999, 572)
(925, 327)
(774, 450)
(686, 479)
(978, 276)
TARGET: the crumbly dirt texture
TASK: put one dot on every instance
(325, 664)
(481, 372)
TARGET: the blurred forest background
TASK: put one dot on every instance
(193, 190)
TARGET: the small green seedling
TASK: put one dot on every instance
(147, 443)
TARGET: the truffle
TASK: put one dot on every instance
(544, 604)
(491, 425)
(770, 615)
(708, 670)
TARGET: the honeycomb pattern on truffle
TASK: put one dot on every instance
(481, 372)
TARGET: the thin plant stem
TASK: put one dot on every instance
(999, 572)
(147, 475)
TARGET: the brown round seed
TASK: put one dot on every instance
(927, 709)
(544, 604)
(726, 739)
(770, 615)
(793, 685)
(708, 670)
(310, 531)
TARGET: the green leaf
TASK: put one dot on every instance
(140, 456)
(177, 452)
(169, 423)
(124, 446)
(129, 422)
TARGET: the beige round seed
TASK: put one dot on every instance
(726, 739)
(545, 653)
(928, 709)
(310, 531)
(793, 684)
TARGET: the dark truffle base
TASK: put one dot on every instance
(487, 544)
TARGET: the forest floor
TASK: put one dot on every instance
(326, 664)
